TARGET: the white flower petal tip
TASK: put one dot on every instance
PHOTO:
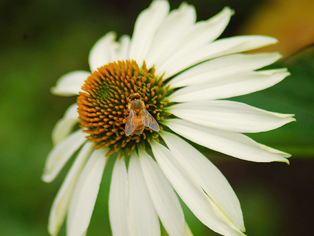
(59, 155)
(230, 143)
(145, 29)
(187, 229)
(70, 84)
(85, 193)
(177, 22)
(255, 41)
(190, 192)
(100, 52)
(207, 176)
(190, 48)
(64, 126)
(277, 152)
(225, 218)
(225, 12)
(230, 116)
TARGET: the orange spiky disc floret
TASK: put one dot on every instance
(103, 106)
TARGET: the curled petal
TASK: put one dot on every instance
(61, 202)
(64, 126)
(60, 154)
(100, 52)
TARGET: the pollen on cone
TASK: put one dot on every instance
(103, 104)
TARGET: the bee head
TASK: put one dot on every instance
(135, 96)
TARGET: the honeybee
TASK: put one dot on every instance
(139, 117)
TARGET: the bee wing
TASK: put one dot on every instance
(149, 121)
(131, 123)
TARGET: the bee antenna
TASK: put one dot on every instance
(139, 90)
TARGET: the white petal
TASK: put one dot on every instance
(199, 169)
(240, 44)
(60, 154)
(163, 196)
(145, 29)
(118, 200)
(61, 201)
(221, 67)
(201, 34)
(230, 86)
(85, 194)
(192, 195)
(273, 150)
(143, 218)
(119, 51)
(233, 144)
(64, 126)
(177, 23)
(230, 116)
(216, 49)
(100, 52)
(70, 84)
(188, 231)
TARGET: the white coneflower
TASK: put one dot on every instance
(141, 96)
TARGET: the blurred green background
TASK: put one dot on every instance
(42, 40)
